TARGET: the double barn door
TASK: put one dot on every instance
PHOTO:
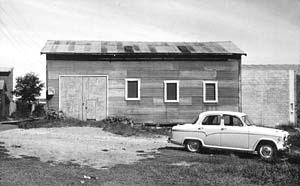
(83, 97)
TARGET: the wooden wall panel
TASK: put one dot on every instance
(228, 92)
(133, 65)
(209, 65)
(197, 100)
(116, 83)
(228, 84)
(229, 101)
(164, 65)
(194, 74)
(152, 92)
(116, 92)
(184, 92)
(185, 101)
(151, 107)
(158, 101)
(152, 83)
(191, 83)
(227, 75)
(152, 74)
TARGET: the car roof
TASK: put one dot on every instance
(239, 114)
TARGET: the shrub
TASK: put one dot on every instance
(286, 127)
(39, 110)
(55, 115)
(23, 110)
(119, 119)
(294, 139)
(115, 124)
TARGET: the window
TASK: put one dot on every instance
(171, 91)
(247, 120)
(132, 89)
(232, 121)
(212, 120)
(210, 92)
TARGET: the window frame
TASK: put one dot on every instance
(126, 89)
(165, 91)
(216, 92)
(206, 118)
(233, 117)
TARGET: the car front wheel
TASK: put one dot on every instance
(267, 151)
(193, 145)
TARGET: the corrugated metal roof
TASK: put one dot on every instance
(120, 47)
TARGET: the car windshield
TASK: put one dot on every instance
(247, 120)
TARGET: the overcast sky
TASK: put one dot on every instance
(267, 30)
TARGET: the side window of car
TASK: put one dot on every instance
(212, 120)
(232, 121)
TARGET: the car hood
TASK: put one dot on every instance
(267, 131)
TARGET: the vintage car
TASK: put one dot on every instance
(229, 130)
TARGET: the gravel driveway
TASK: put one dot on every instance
(82, 145)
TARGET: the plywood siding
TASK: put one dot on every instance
(151, 107)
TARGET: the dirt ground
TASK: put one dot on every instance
(85, 146)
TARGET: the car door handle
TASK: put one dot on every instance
(223, 128)
(200, 128)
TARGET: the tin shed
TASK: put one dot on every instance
(150, 82)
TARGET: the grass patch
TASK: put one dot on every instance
(172, 166)
(116, 127)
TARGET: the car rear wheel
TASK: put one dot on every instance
(193, 145)
(267, 151)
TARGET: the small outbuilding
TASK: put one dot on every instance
(150, 82)
(6, 88)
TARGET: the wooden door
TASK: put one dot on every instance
(84, 97)
(90, 109)
(71, 96)
(94, 98)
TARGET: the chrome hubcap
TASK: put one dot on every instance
(193, 146)
(266, 151)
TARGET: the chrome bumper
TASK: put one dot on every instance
(285, 150)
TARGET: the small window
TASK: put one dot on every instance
(212, 120)
(171, 91)
(132, 89)
(210, 92)
(232, 121)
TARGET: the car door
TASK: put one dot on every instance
(210, 130)
(234, 134)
